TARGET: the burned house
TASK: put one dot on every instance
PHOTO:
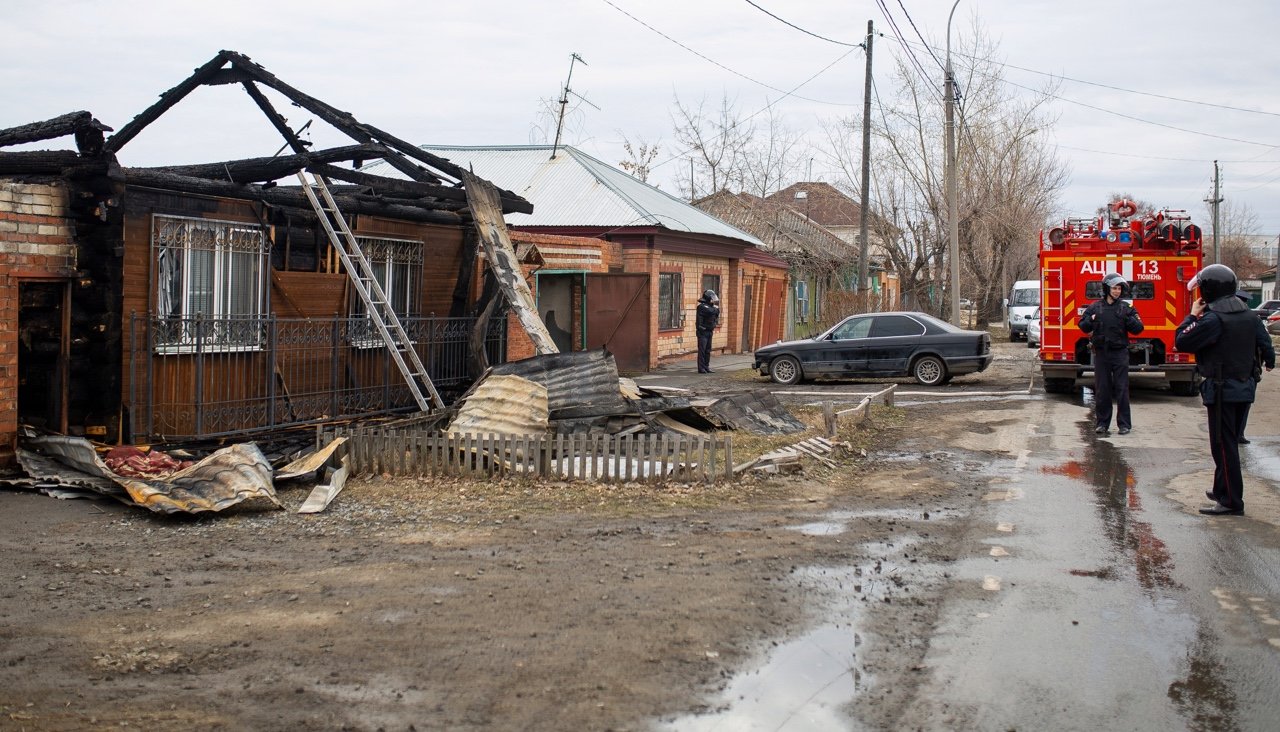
(202, 301)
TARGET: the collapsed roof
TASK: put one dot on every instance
(434, 190)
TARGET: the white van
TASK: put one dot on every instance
(1022, 305)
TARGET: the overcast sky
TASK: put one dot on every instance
(1171, 85)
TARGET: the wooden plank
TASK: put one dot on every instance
(501, 255)
(322, 495)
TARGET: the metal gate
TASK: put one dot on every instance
(617, 308)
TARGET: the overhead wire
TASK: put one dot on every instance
(803, 30)
(712, 61)
(898, 35)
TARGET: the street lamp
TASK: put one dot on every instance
(953, 249)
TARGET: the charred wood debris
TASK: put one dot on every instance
(435, 193)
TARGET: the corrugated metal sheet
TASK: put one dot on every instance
(227, 477)
(575, 189)
(579, 383)
(503, 404)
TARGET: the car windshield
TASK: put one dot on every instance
(1025, 297)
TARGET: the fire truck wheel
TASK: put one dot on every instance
(1058, 386)
(1183, 388)
(929, 370)
(785, 370)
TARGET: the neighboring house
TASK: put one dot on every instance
(824, 204)
(823, 265)
(640, 308)
(200, 301)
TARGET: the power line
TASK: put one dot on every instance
(1116, 88)
(802, 30)
(884, 10)
(921, 37)
(722, 66)
(1139, 119)
(766, 107)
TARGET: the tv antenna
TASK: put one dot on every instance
(564, 101)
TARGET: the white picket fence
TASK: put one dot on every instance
(644, 458)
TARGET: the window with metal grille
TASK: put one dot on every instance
(670, 296)
(210, 288)
(397, 266)
(711, 282)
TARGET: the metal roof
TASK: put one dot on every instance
(575, 189)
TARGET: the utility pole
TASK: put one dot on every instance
(1213, 203)
(863, 244)
(953, 223)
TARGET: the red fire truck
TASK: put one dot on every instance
(1157, 252)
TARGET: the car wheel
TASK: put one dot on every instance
(929, 370)
(1013, 337)
(785, 370)
(1030, 344)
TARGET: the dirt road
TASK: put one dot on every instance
(444, 605)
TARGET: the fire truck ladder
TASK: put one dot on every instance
(1051, 293)
(379, 310)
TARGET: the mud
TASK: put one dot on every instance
(421, 604)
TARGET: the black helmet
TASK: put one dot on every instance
(710, 296)
(1215, 281)
(1113, 279)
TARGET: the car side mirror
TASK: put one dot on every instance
(1006, 302)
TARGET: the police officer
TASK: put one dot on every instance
(705, 323)
(1108, 322)
(1228, 340)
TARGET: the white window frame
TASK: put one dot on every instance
(177, 244)
(389, 256)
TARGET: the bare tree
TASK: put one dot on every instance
(715, 144)
(542, 131)
(1009, 179)
(1237, 227)
(772, 159)
(640, 157)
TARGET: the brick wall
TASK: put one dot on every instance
(35, 243)
(684, 342)
(559, 253)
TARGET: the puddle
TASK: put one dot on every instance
(804, 684)
(984, 399)
(1262, 460)
(837, 522)
(802, 687)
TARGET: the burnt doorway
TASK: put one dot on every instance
(617, 309)
(555, 306)
(43, 343)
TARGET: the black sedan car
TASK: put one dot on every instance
(880, 344)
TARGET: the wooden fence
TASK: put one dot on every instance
(643, 458)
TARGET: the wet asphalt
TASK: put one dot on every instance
(1092, 595)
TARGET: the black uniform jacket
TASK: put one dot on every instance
(1229, 342)
(1115, 320)
(708, 316)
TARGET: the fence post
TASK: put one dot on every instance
(829, 418)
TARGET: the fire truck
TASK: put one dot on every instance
(1158, 253)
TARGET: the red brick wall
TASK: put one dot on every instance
(558, 255)
(35, 243)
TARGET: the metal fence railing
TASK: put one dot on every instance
(210, 377)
